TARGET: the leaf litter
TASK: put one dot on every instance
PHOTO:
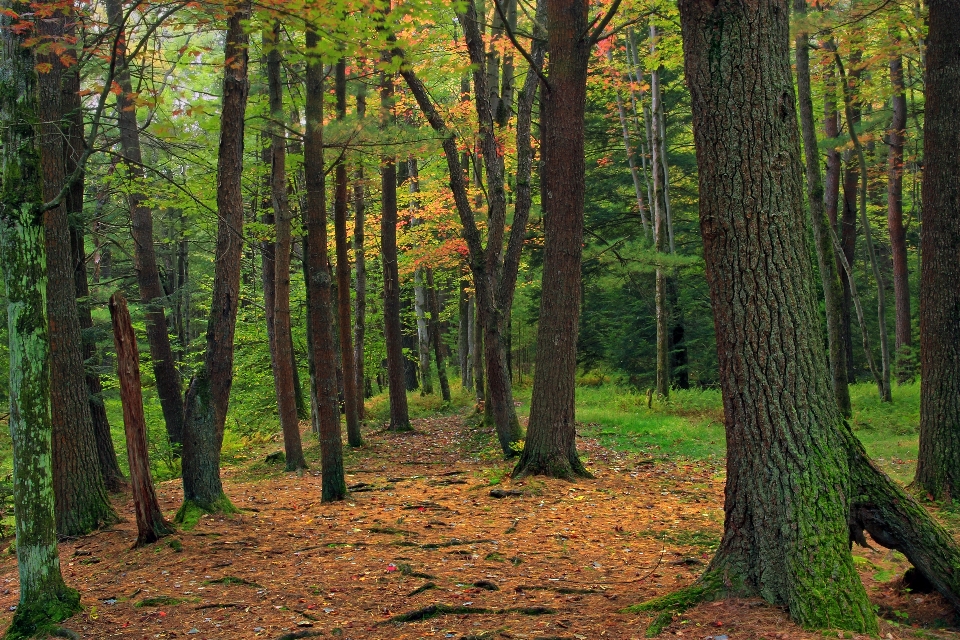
(426, 546)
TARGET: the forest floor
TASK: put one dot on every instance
(550, 560)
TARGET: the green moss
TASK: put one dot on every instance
(708, 587)
(232, 580)
(191, 511)
(40, 617)
(159, 601)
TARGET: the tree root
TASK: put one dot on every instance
(419, 590)
(296, 635)
(435, 610)
(706, 588)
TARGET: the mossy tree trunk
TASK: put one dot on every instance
(799, 484)
(208, 397)
(550, 445)
(44, 598)
(81, 496)
(151, 525)
(334, 486)
(938, 464)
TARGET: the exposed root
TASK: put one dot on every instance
(435, 610)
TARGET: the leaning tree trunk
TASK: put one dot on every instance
(148, 277)
(550, 445)
(44, 598)
(151, 525)
(938, 463)
(333, 486)
(823, 243)
(81, 497)
(905, 361)
(283, 363)
(399, 416)
(351, 393)
(209, 394)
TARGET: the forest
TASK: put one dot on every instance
(480, 319)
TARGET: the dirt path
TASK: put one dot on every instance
(421, 529)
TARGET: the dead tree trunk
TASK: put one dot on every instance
(151, 525)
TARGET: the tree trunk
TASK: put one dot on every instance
(884, 382)
(832, 288)
(360, 301)
(148, 278)
(905, 361)
(435, 338)
(938, 463)
(334, 486)
(106, 453)
(283, 364)
(392, 333)
(631, 160)
(150, 523)
(81, 497)
(550, 445)
(420, 295)
(208, 397)
(785, 535)
(848, 220)
(463, 336)
(44, 598)
(658, 167)
(351, 394)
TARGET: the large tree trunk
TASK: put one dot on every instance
(81, 497)
(148, 277)
(208, 397)
(334, 486)
(351, 394)
(905, 360)
(785, 535)
(938, 463)
(550, 445)
(823, 243)
(282, 348)
(44, 598)
(392, 332)
(106, 453)
(151, 525)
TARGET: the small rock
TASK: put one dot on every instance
(193, 631)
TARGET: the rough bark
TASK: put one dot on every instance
(151, 525)
(351, 393)
(283, 363)
(106, 453)
(830, 280)
(435, 338)
(938, 463)
(208, 397)
(169, 385)
(786, 537)
(44, 598)
(82, 503)
(550, 445)
(319, 283)
(399, 416)
(905, 360)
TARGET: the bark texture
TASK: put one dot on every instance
(822, 237)
(208, 397)
(938, 463)
(351, 394)
(151, 525)
(44, 598)
(169, 385)
(786, 535)
(334, 486)
(550, 445)
(81, 497)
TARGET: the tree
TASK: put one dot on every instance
(81, 497)
(209, 393)
(938, 463)
(360, 281)
(44, 598)
(799, 484)
(822, 234)
(334, 485)
(151, 525)
(169, 386)
(282, 349)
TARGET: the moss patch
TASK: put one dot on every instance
(41, 617)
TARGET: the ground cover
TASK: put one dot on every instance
(435, 541)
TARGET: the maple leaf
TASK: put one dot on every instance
(43, 67)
